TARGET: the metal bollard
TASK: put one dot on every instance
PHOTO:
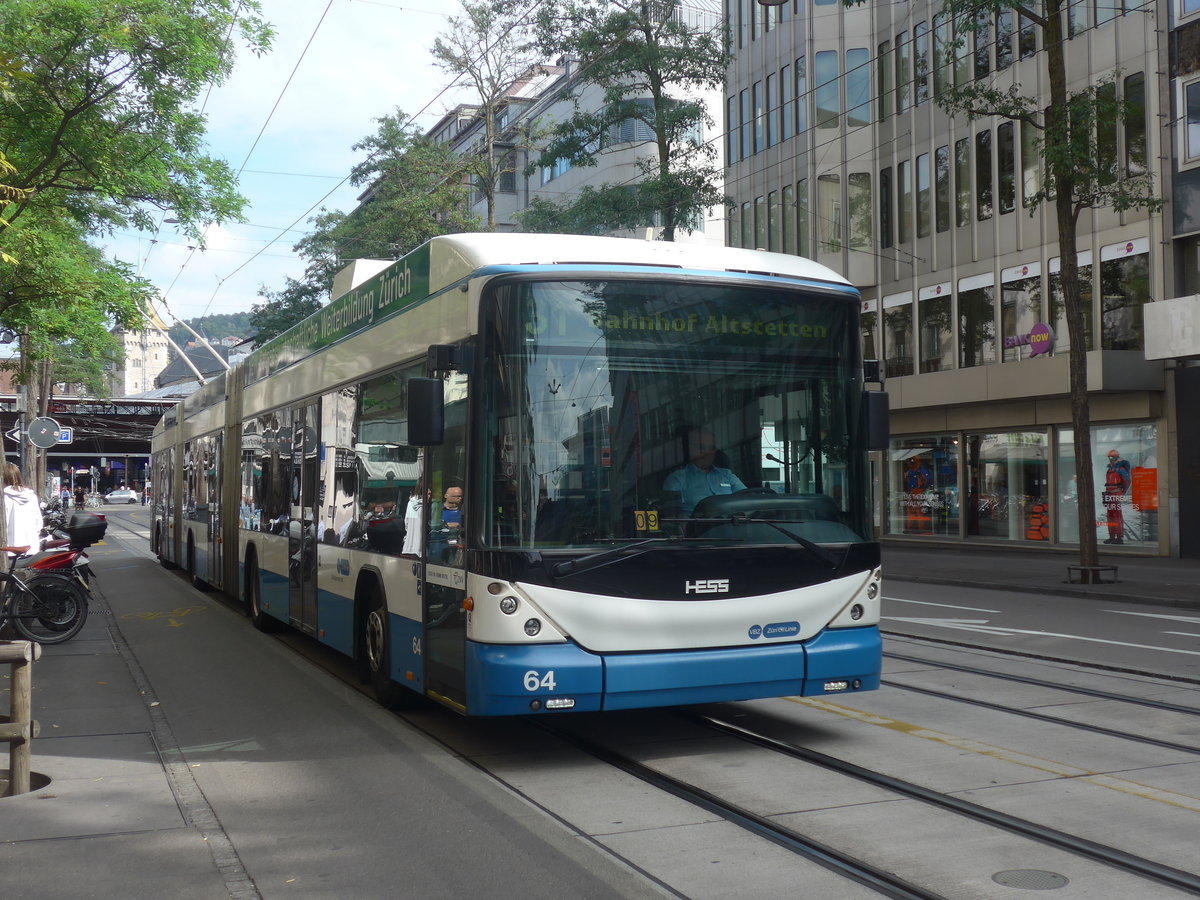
(20, 730)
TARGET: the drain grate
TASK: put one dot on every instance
(1030, 879)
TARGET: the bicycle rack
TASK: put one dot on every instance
(20, 729)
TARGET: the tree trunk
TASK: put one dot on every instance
(1057, 127)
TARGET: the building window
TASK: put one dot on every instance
(1004, 39)
(1031, 163)
(1006, 167)
(731, 130)
(1106, 134)
(1027, 39)
(829, 212)
(770, 114)
(1058, 309)
(1135, 124)
(962, 182)
(976, 323)
(885, 208)
(983, 43)
(803, 247)
(858, 186)
(921, 62)
(868, 322)
(1076, 17)
(733, 227)
(827, 89)
(1124, 289)
(858, 87)
(1106, 11)
(1020, 310)
(789, 219)
(983, 175)
(897, 335)
(759, 132)
(887, 79)
(943, 56)
(936, 329)
(774, 226)
(924, 210)
(747, 125)
(760, 223)
(904, 214)
(787, 105)
(801, 96)
(941, 180)
(903, 72)
(747, 225)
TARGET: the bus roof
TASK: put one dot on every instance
(464, 253)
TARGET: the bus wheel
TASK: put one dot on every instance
(377, 652)
(258, 618)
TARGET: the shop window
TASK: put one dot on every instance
(976, 324)
(923, 486)
(1124, 289)
(1008, 486)
(1126, 502)
(1020, 310)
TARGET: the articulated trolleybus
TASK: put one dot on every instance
(531, 473)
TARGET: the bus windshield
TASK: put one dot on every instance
(621, 410)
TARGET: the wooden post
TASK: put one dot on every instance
(20, 729)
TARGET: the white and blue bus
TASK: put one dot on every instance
(661, 456)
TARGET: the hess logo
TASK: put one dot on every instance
(707, 586)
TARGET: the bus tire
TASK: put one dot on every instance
(377, 655)
(259, 619)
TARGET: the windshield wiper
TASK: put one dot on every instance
(815, 549)
(602, 557)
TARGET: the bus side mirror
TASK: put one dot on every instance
(426, 412)
(878, 428)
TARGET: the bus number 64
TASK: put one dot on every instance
(535, 680)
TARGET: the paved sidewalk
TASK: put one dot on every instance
(1161, 580)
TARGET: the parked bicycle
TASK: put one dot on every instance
(47, 607)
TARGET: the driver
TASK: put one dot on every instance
(701, 478)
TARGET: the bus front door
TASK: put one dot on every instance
(302, 527)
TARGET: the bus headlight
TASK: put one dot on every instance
(856, 612)
(508, 605)
(872, 590)
(533, 627)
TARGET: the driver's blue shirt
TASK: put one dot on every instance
(694, 484)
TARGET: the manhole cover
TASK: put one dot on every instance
(1030, 879)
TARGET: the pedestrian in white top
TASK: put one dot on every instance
(22, 512)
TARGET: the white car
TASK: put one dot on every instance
(121, 495)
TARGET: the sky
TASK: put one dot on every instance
(354, 61)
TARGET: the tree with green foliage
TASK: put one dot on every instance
(414, 190)
(283, 308)
(1081, 171)
(651, 59)
(487, 47)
